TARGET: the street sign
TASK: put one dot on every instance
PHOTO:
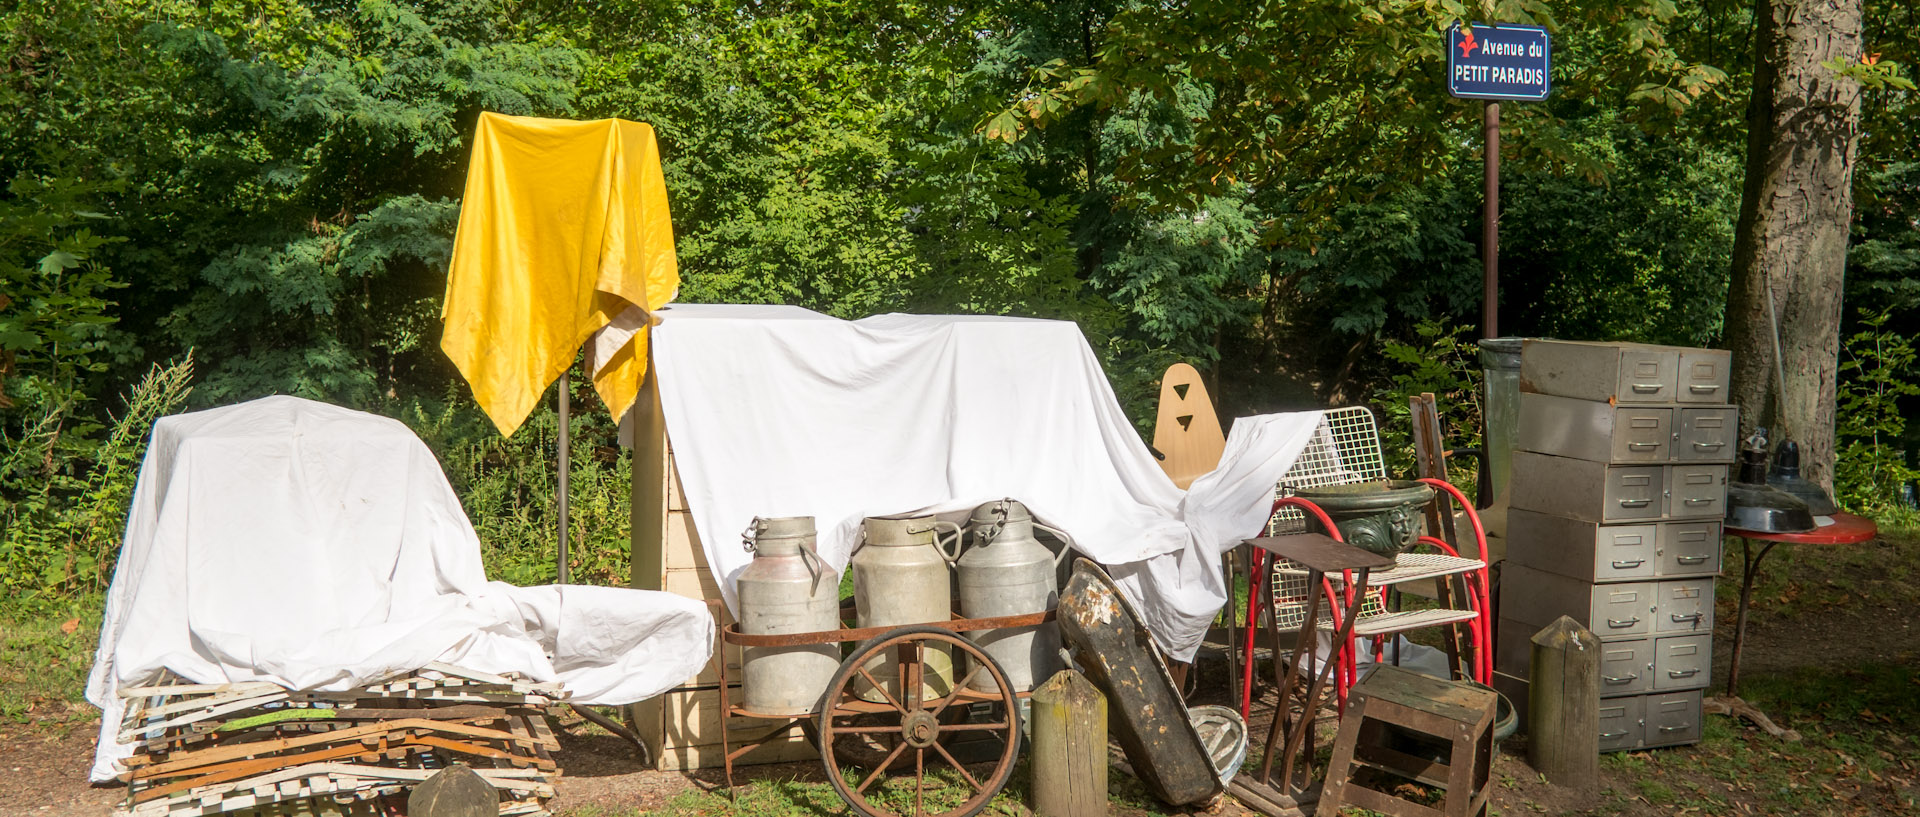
(1498, 62)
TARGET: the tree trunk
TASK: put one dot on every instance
(1795, 210)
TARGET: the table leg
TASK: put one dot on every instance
(1302, 731)
(1751, 564)
(1304, 641)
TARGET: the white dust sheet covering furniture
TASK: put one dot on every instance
(320, 548)
(779, 411)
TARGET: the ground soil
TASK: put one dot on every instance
(43, 764)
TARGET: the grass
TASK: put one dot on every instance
(44, 660)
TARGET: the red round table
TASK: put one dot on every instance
(1846, 529)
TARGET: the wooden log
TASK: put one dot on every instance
(1564, 706)
(1069, 747)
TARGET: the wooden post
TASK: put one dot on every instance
(1069, 747)
(1564, 706)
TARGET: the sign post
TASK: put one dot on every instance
(1492, 63)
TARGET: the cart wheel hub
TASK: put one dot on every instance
(919, 729)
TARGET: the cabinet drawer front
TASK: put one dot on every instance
(1620, 723)
(1685, 606)
(1641, 434)
(1648, 375)
(1673, 718)
(1707, 435)
(1626, 552)
(1704, 375)
(1622, 610)
(1699, 491)
(1689, 549)
(1682, 662)
(1633, 493)
(1625, 667)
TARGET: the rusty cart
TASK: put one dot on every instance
(883, 715)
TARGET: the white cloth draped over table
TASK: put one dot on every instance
(321, 548)
(779, 411)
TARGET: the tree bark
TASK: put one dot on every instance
(1795, 210)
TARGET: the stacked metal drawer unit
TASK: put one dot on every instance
(1619, 488)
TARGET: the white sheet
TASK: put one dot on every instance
(316, 547)
(778, 411)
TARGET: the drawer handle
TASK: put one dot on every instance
(1679, 673)
(1699, 389)
(1671, 729)
(1643, 446)
(1695, 617)
(1627, 680)
(1691, 560)
(1623, 624)
(1628, 565)
(1697, 502)
(1708, 446)
(1612, 735)
(1646, 388)
(1635, 503)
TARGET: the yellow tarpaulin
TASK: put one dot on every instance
(564, 231)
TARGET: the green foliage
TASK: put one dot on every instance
(60, 530)
(507, 488)
(1280, 193)
(1877, 372)
(1445, 361)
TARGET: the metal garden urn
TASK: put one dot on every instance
(1005, 571)
(1383, 517)
(786, 589)
(902, 575)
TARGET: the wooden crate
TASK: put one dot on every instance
(682, 728)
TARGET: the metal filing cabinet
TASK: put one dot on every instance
(1618, 490)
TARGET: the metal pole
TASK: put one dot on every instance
(1490, 226)
(565, 456)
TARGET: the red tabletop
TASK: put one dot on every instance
(1846, 529)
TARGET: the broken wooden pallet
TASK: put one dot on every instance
(260, 749)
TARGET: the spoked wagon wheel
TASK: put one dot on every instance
(914, 720)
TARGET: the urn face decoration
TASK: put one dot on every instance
(1382, 517)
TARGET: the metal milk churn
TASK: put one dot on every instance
(901, 575)
(787, 589)
(1007, 572)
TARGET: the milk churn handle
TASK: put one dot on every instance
(993, 529)
(954, 557)
(749, 537)
(1066, 541)
(814, 566)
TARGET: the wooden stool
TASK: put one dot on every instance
(1397, 722)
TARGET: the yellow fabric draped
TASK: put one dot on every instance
(563, 230)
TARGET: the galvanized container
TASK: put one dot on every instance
(787, 589)
(1005, 571)
(902, 574)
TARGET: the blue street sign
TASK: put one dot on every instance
(1503, 62)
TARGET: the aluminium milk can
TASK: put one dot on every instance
(1007, 572)
(786, 589)
(901, 576)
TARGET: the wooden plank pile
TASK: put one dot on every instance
(263, 749)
